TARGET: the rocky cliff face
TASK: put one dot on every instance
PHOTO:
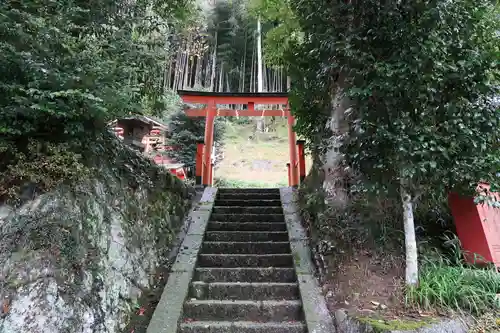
(76, 259)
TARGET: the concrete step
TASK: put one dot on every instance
(246, 226)
(245, 274)
(245, 247)
(248, 196)
(247, 203)
(248, 190)
(245, 260)
(289, 310)
(246, 236)
(244, 291)
(229, 217)
(247, 210)
(242, 327)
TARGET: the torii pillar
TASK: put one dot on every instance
(294, 165)
(211, 112)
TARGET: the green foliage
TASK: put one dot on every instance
(283, 32)
(421, 78)
(186, 132)
(459, 287)
(68, 69)
(45, 164)
(236, 40)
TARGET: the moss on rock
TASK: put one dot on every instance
(92, 244)
(382, 325)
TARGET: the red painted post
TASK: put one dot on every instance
(302, 160)
(200, 145)
(289, 178)
(209, 142)
(211, 174)
(294, 175)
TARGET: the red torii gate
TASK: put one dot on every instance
(204, 172)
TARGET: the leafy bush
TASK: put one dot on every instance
(36, 167)
(186, 131)
(69, 68)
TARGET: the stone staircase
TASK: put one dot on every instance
(244, 280)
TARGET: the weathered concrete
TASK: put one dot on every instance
(242, 290)
(169, 309)
(317, 316)
(244, 272)
(245, 236)
(243, 327)
(246, 202)
(246, 226)
(247, 217)
(246, 247)
(245, 260)
(236, 191)
(249, 196)
(247, 210)
(248, 274)
(246, 310)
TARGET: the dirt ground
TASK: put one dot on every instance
(367, 284)
(259, 158)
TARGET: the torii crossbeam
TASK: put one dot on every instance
(210, 110)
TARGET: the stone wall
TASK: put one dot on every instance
(77, 259)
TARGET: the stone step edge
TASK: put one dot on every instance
(248, 284)
(259, 255)
(246, 268)
(247, 200)
(247, 242)
(253, 208)
(244, 232)
(259, 303)
(242, 324)
(248, 214)
(243, 222)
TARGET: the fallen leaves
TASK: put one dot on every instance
(141, 311)
(5, 306)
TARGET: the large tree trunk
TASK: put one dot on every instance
(410, 238)
(221, 78)
(185, 81)
(259, 58)
(197, 75)
(244, 64)
(260, 122)
(252, 71)
(214, 60)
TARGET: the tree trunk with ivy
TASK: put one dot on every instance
(336, 176)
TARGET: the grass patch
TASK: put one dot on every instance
(232, 183)
(458, 287)
(253, 157)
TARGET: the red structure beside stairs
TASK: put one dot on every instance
(478, 227)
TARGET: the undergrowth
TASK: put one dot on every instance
(36, 166)
(448, 285)
(231, 183)
(374, 223)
